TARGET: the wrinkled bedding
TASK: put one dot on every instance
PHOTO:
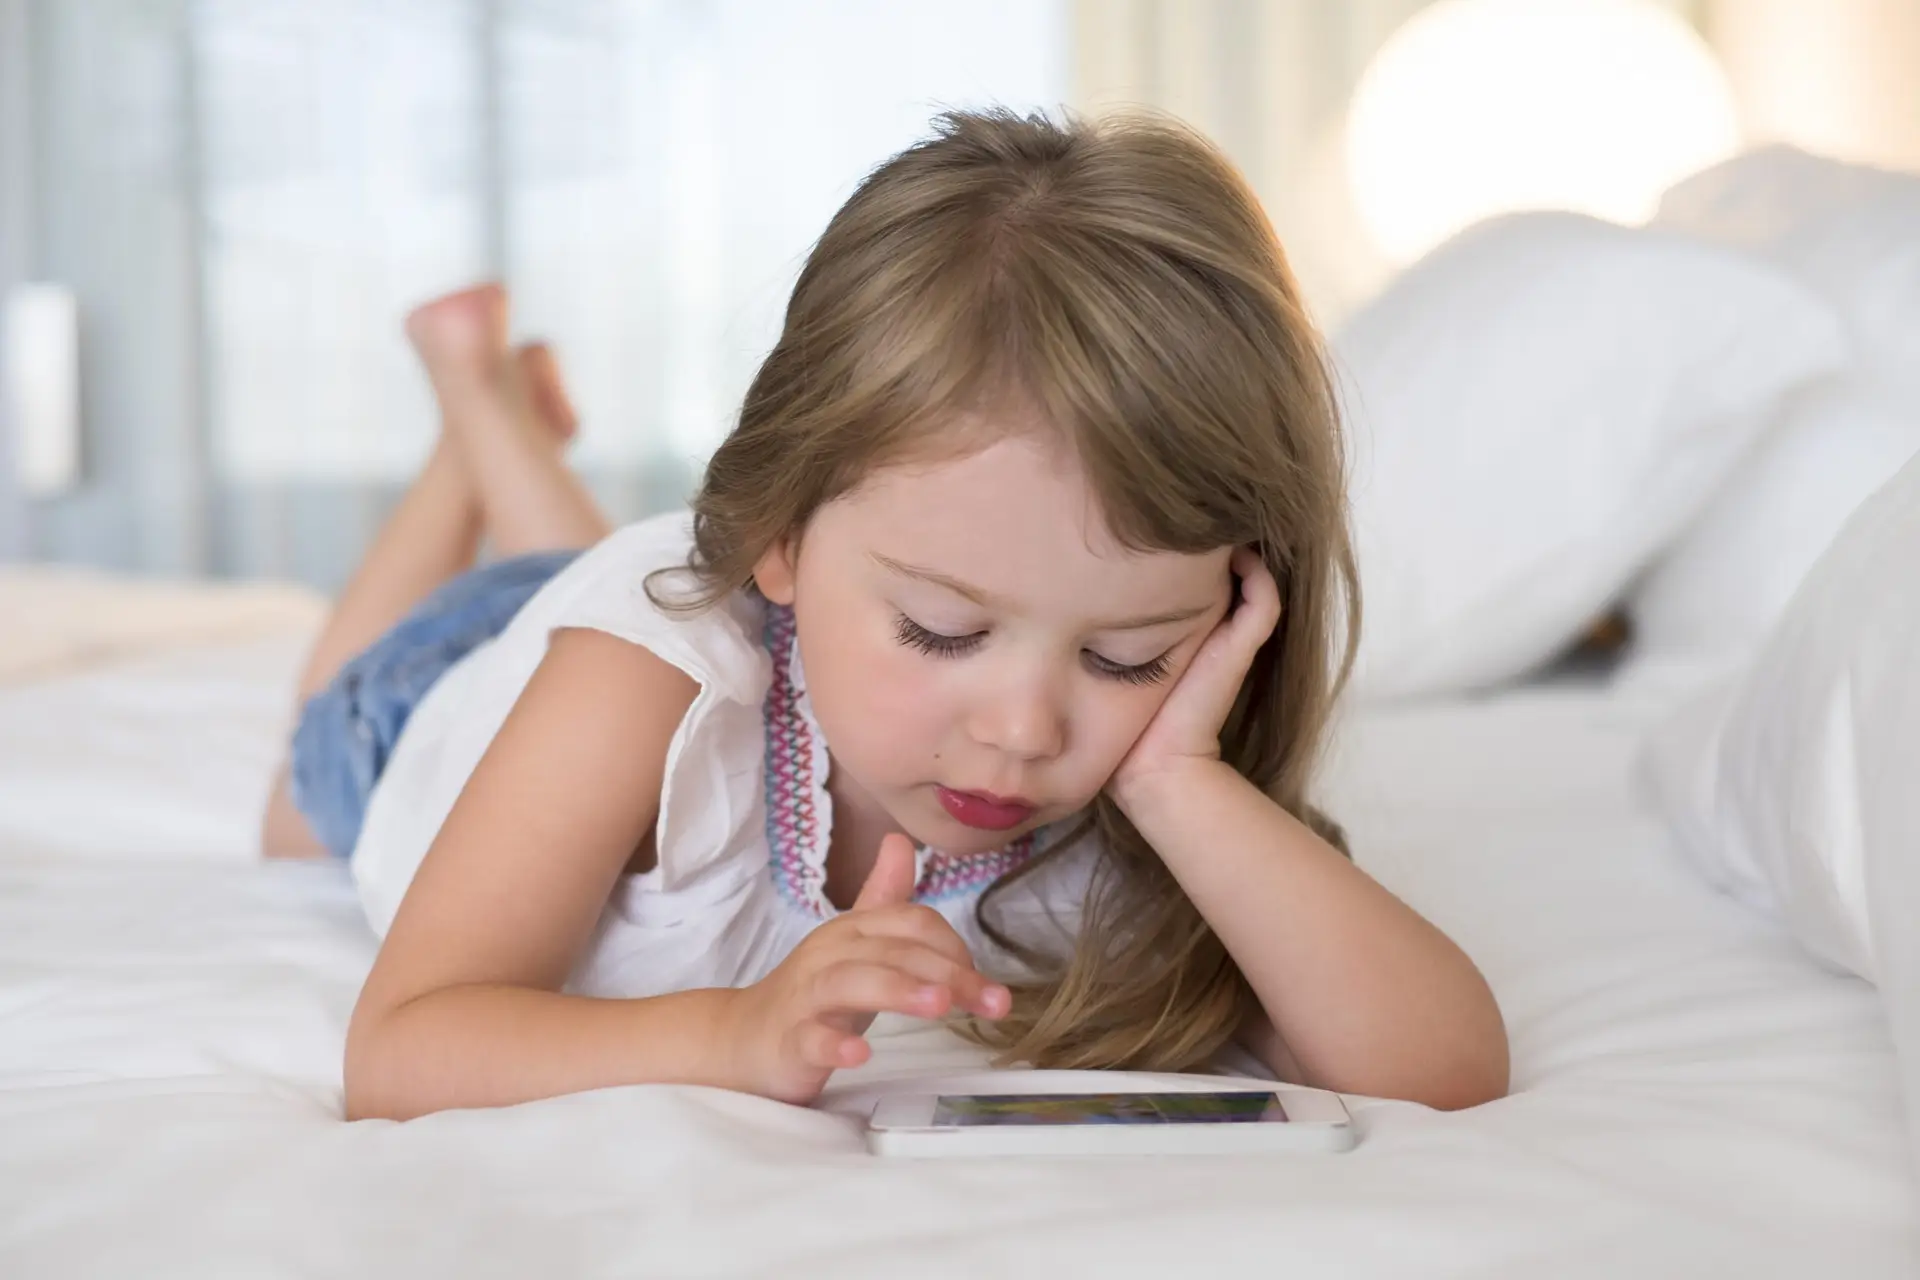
(1692, 1094)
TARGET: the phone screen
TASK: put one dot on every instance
(964, 1111)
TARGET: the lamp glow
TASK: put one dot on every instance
(1478, 107)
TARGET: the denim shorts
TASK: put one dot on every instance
(347, 730)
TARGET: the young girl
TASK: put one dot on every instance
(986, 678)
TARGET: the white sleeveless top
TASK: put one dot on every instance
(745, 820)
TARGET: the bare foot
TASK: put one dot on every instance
(540, 374)
(461, 337)
(495, 403)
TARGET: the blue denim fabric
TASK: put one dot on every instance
(347, 730)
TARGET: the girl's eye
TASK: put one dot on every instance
(938, 644)
(1143, 673)
(915, 636)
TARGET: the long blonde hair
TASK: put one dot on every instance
(1119, 277)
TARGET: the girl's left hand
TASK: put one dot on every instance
(1186, 729)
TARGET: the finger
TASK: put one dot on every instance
(917, 923)
(970, 989)
(1215, 674)
(890, 883)
(1259, 609)
(827, 1047)
(864, 986)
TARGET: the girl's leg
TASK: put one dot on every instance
(435, 531)
(431, 536)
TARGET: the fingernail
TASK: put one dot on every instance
(927, 994)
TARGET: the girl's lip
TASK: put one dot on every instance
(984, 810)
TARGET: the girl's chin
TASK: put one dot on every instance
(955, 837)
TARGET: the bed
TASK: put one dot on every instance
(1693, 1095)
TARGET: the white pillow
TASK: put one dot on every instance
(1852, 235)
(1795, 788)
(1728, 579)
(1762, 197)
(1534, 410)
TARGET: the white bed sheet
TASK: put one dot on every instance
(1694, 1097)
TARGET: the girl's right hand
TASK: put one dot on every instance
(885, 954)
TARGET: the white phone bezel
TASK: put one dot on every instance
(902, 1124)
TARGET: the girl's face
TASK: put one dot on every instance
(979, 651)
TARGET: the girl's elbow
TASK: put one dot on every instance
(1472, 1089)
(363, 1099)
(368, 1092)
(359, 1107)
(1480, 1078)
(1480, 1071)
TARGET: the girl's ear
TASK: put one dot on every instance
(773, 573)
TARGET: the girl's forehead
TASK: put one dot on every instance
(1013, 489)
(1018, 518)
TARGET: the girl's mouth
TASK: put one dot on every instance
(982, 811)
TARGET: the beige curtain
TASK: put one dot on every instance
(1841, 77)
(1270, 79)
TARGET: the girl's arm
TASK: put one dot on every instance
(1360, 994)
(463, 1009)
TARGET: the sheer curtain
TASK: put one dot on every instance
(247, 197)
(16, 160)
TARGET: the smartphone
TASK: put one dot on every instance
(1151, 1123)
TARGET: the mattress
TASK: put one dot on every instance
(1693, 1096)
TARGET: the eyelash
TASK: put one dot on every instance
(914, 636)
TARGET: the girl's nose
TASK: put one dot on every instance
(1025, 720)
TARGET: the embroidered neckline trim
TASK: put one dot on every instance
(800, 812)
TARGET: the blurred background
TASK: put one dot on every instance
(214, 213)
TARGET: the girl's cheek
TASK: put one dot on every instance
(1108, 724)
(893, 687)
(890, 671)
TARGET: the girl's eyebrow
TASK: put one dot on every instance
(986, 600)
